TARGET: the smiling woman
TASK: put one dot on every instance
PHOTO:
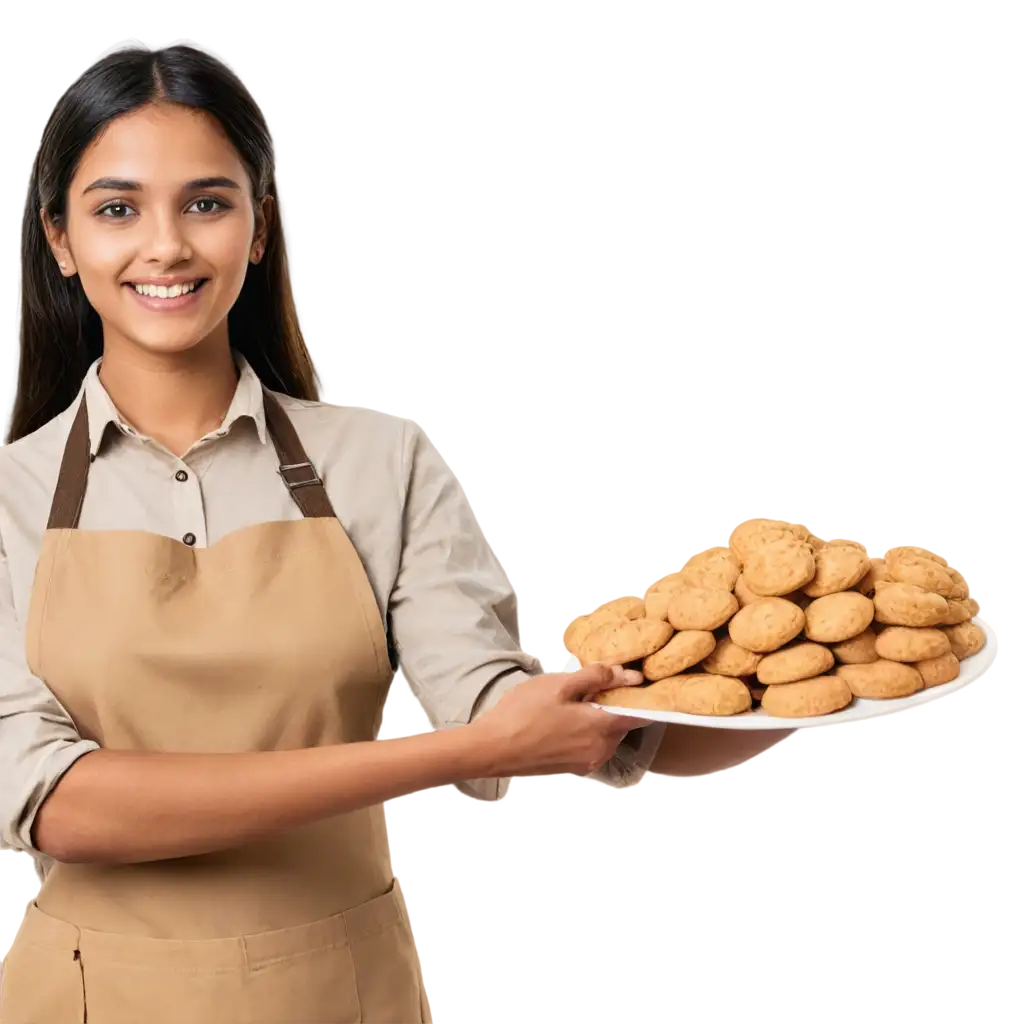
(195, 653)
(176, 189)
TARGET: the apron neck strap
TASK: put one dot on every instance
(297, 472)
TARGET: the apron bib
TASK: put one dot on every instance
(269, 639)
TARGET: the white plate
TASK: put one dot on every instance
(860, 707)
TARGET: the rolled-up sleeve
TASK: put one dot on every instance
(454, 617)
(38, 738)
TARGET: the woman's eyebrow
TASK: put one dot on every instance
(123, 185)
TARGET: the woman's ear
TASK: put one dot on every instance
(264, 216)
(58, 242)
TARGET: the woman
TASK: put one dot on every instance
(208, 578)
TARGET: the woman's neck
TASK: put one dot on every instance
(174, 399)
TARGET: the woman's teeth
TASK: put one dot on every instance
(162, 292)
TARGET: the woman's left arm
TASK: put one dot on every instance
(453, 616)
(699, 749)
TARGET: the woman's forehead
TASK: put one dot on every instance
(160, 146)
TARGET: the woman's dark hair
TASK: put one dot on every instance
(61, 334)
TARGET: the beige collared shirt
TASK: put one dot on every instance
(449, 609)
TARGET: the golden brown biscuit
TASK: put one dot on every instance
(905, 604)
(748, 535)
(923, 572)
(837, 617)
(684, 650)
(729, 659)
(858, 650)
(657, 603)
(846, 544)
(965, 639)
(720, 573)
(936, 671)
(618, 642)
(627, 607)
(959, 611)
(807, 698)
(711, 555)
(583, 625)
(650, 696)
(972, 606)
(837, 568)
(701, 607)
(700, 694)
(919, 552)
(800, 661)
(961, 591)
(881, 679)
(911, 643)
(779, 567)
(877, 572)
(766, 625)
(743, 592)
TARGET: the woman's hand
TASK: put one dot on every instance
(543, 726)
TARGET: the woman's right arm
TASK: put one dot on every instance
(120, 807)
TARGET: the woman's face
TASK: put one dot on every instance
(138, 211)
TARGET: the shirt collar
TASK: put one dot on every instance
(247, 401)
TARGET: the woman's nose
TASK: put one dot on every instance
(167, 240)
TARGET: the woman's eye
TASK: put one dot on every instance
(105, 211)
(215, 202)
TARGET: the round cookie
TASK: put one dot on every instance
(837, 567)
(791, 664)
(618, 642)
(718, 554)
(701, 607)
(965, 639)
(657, 603)
(877, 572)
(959, 611)
(936, 671)
(700, 694)
(846, 544)
(972, 606)
(779, 567)
(748, 535)
(961, 591)
(684, 650)
(858, 650)
(766, 625)
(837, 617)
(905, 604)
(651, 696)
(881, 679)
(917, 552)
(627, 607)
(743, 592)
(923, 572)
(720, 573)
(729, 659)
(809, 697)
(583, 625)
(911, 643)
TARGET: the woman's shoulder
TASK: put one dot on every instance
(360, 437)
(35, 454)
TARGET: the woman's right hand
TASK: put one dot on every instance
(544, 726)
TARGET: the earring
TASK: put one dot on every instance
(63, 265)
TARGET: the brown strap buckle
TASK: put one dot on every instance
(293, 484)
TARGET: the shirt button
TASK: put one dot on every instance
(181, 476)
(189, 539)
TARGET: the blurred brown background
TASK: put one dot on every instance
(775, 228)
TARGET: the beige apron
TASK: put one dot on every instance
(270, 639)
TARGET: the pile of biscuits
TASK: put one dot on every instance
(787, 621)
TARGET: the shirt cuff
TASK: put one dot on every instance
(49, 773)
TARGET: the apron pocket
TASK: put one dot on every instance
(41, 986)
(297, 975)
(387, 965)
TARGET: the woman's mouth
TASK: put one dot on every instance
(167, 299)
